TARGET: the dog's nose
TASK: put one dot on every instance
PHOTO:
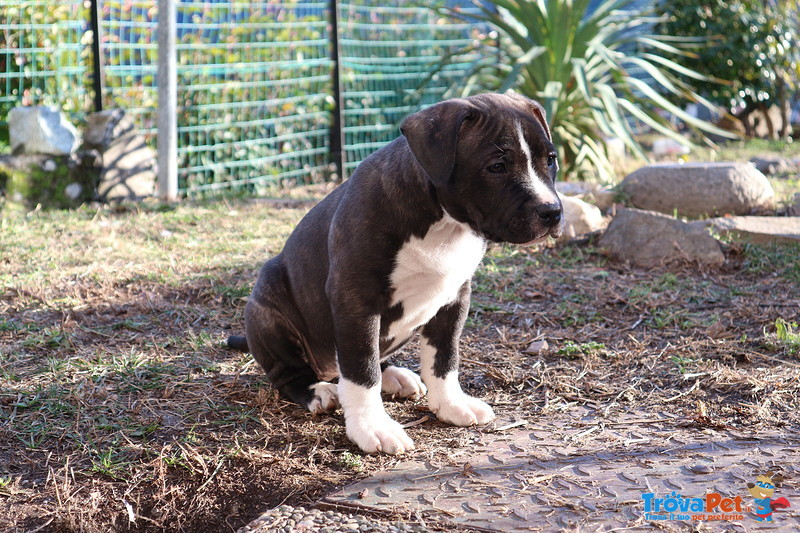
(549, 213)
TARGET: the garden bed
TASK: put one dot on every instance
(121, 409)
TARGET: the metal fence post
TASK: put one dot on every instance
(97, 59)
(337, 138)
(167, 101)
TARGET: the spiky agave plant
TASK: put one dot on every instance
(598, 73)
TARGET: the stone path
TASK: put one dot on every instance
(586, 472)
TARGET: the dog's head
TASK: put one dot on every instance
(492, 163)
(764, 487)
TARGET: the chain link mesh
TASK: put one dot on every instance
(254, 78)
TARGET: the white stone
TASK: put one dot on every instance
(581, 218)
(669, 147)
(73, 190)
(41, 130)
(537, 347)
(615, 148)
(592, 193)
(779, 165)
(604, 198)
(575, 188)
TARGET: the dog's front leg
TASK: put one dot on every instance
(439, 367)
(368, 424)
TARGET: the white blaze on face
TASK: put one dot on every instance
(537, 183)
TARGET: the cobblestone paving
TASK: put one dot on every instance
(588, 472)
(288, 519)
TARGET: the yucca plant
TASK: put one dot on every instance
(598, 73)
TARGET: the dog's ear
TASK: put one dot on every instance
(536, 110)
(432, 135)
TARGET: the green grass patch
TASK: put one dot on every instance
(501, 271)
(775, 259)
(351, 461)
(572, 349)
(575, 311)
(682, 363)
(746, 150)
(111, 339)
(113, 463)
(666, 317)
(785, 338)
(566, 257)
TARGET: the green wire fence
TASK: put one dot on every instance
(391, 55)
(44, 56)
(255, 84)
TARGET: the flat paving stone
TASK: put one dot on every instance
(758, 230)
(586, 472)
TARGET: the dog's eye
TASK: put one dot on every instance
(551, 161)
(497, 168)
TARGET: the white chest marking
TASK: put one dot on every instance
(429, 272)
(540, 189)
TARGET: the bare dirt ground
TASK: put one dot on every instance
(120, 408)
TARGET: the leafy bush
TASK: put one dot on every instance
(750, 43)
(598, 73)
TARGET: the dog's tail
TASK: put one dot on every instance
(238, 342)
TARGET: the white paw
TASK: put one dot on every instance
(463, 411)
(402, 383)
(326, 398)
(367, 423)
(377, 432)
(449, 403)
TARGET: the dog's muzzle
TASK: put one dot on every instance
(550, 214)
(551, 218)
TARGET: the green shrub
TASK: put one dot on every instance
(596, 72)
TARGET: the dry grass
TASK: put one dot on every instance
(121, 410)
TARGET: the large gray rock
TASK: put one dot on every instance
(128, 164)
(104, 127)
(41, 130)
(580, 217)
(758, 230)
(699, 189)
(776, 165)
(793, 209)
(646, 238)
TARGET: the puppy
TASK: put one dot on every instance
(391, 253)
